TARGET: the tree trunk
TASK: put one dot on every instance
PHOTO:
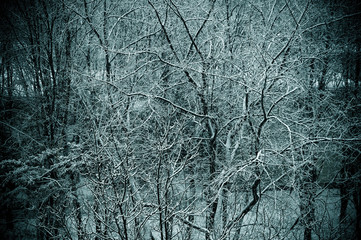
(307, 206)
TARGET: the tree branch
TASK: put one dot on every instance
(286, 46)
(25, 134)
(332, 21)
(182, 109)
(245, 211)
(201, 229)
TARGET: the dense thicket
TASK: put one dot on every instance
(167, 119)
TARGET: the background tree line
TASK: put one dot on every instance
(167, 119)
